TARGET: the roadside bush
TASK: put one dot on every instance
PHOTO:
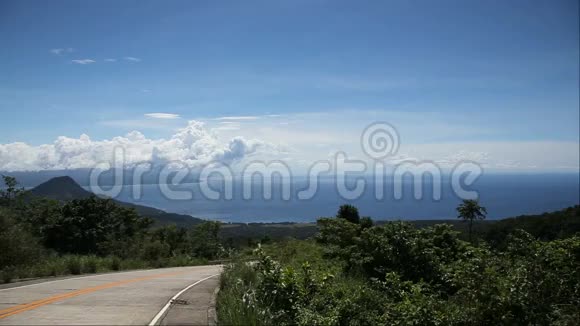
(234, 301)
(74, 265)
(18, 247)
(395, 274)
(91, 264)
(184, 260)
(7, 274)
(114, 263)
(154, 250)
(127, 264)
(50, 267)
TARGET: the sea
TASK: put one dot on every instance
(504, 195)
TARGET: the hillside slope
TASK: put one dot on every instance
(65, 188)
(547, 226)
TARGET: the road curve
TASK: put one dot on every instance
(125, 298)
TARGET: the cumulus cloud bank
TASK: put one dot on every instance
(193, 146)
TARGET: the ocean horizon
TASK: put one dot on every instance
(504, 195)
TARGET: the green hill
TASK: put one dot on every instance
(65, 189)
(547, 226)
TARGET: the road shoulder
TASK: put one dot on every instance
(196, 306)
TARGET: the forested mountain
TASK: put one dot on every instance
(64, 188)
(59, 228)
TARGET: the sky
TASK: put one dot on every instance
(496, 82)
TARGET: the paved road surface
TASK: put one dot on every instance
(125, 298)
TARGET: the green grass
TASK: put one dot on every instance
(236, 279)
(76, 265)
(294, 253)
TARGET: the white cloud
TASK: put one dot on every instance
(162, 115)
(307, 138)
(110, 60)
(60, 51)
(193, 145)
(132, 59)
(515, 155)
(425, 136)
(83, 61)
(228, 125)
(239, 118)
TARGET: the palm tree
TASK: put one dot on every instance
(469, 210)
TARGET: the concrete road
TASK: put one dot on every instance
(125, 298)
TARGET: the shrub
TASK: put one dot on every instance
(115, 263)
(90, 264)
(52, 267)
(74, 265)
(134, 264)
(398, 275)
(17, 245)
(7, 274)
(235, 305)
(154, 251)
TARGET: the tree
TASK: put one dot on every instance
(88, 226)
(349, 213)
(366, 222)
(173, 236)
(470, 210)
(17, 246)
(12, 192)
(205, 240)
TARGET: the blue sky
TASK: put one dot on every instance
(307, 75)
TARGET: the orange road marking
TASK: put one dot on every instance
(42, 302)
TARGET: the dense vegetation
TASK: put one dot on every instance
(524, 270)
(546, 226)
(358, 273)
(46, 237)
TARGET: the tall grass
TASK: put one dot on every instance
(240, 279)
(55, 265)
(232, 307)
(294, 253)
